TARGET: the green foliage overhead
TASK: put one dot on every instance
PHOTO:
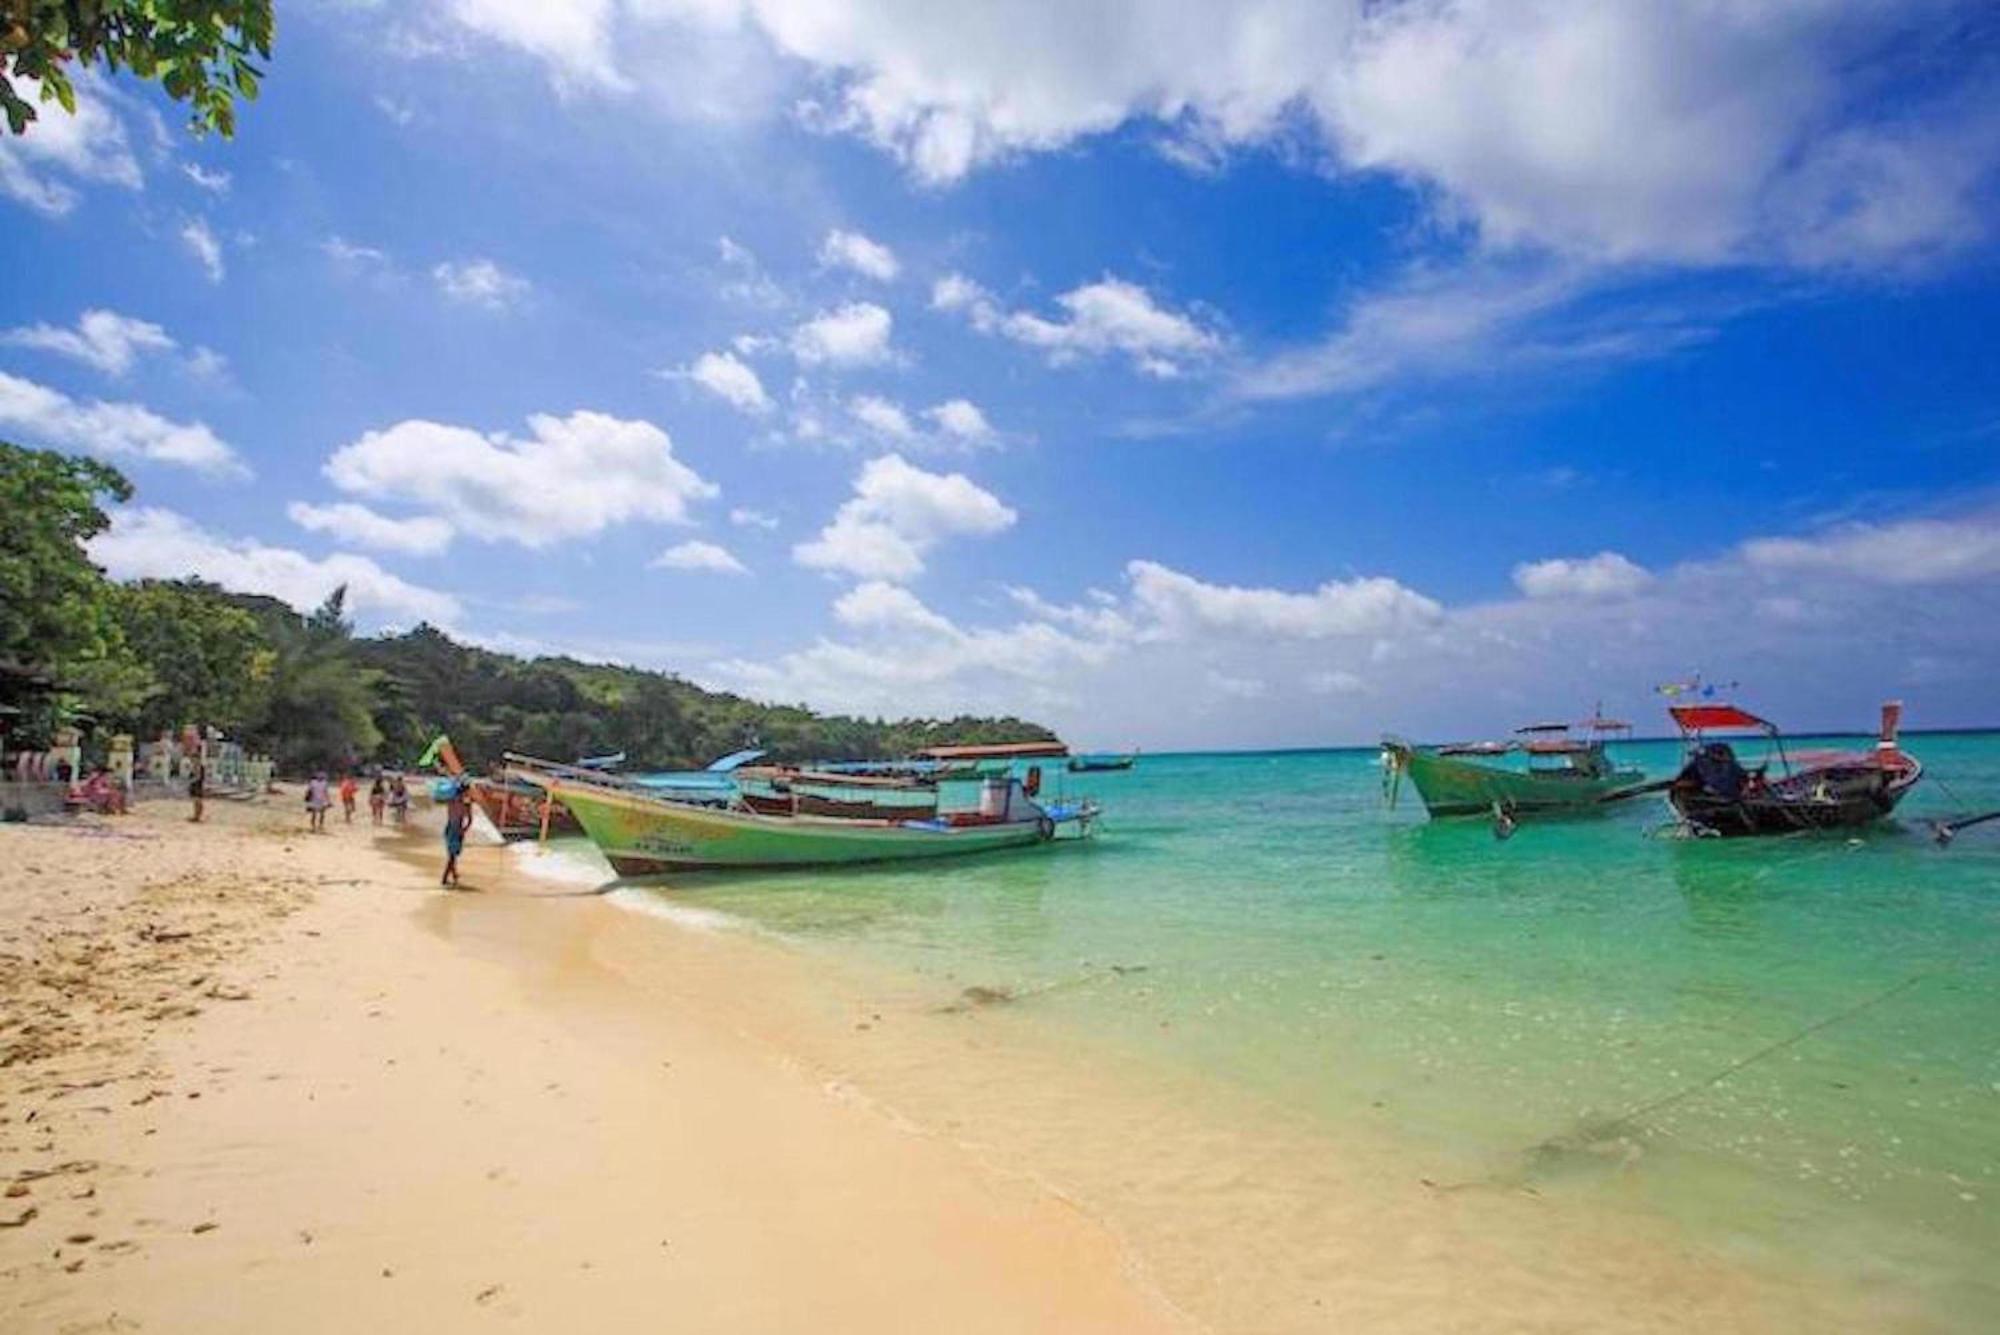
(202, 52)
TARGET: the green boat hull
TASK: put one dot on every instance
(1453, 787)
(643, 836)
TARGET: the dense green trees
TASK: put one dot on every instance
(57, 627)
(153, 655)
(199, 51)
(205, 658)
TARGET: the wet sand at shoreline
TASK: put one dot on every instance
(280, 1081)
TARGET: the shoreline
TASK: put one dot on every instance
(818, 1144)
(356, 1120)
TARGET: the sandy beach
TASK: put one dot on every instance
(249, 1080)
(256, 1079)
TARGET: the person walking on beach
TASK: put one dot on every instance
(348, 788)
(317, 801)
(378, 797)
(399, 800)
(197, 788)
(457, 819)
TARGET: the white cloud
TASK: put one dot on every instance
(1515, 121)
(149, 543)
(743, 279)
(960, 418)
(1350, 657)
(1909, 552)
(418, 535)
(350, 255)
(104, 339)
(856, 334)
(697, 555)
(1108, 316)
(882, 417)
(214, 180)
(48, 417)
(571, 477)
(43, 168)
(573, 36)
(202, 243)
(1605, 575)
(851, 250)
(745, 517)
(897, 514)
(1179, 603)
(907, 658)
(877, 605)
(730, 379)
(480, 282)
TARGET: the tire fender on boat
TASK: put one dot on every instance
(1045, 827)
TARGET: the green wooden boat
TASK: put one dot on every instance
(1544, 768)
(643, 834)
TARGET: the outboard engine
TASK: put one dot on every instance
(1715, 768)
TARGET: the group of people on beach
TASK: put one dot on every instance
(387, 793)
(394, 794)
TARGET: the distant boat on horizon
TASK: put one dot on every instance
(1103, 762)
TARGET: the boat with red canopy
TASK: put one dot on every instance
(1813, 790)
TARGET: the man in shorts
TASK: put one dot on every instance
(457, 817)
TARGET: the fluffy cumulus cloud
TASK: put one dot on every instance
(46, 168)
(732, 380)
(569, 477)
(855, 252)
(856, 334)
(481, 283)
(104, 339)
(961, 419)
(1110, 316)
(882, 417)
(1178, 602)
(901, 656)
(1605, 575)
(416, 535)
(38, 415)
(898, 513)
(149, 543)
(698, 555)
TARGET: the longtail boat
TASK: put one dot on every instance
(854, 794)
(1715, 794)
(518, 810)
(1102, 764)
(644, 833)
(1543, 768)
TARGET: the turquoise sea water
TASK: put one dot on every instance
(1503, 1004)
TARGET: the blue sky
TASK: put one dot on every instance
(1264, 374)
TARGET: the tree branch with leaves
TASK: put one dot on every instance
(202, 52)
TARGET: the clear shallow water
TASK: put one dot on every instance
(1500, 1006)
